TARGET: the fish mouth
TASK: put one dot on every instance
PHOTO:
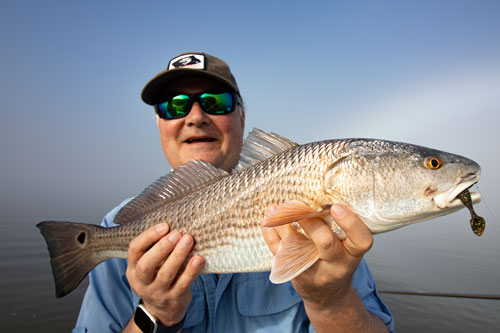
(449, 199)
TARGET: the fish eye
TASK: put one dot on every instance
(433, 163)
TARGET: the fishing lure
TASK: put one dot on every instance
(477, 223)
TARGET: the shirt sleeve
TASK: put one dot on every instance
(109, 303)
(365, 286)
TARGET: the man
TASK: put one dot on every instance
(200, 116)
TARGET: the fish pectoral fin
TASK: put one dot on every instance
(291, 211)
(295, 254)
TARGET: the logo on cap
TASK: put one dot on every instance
(195, 61)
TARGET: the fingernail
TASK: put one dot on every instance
(338, 211)
(196, 262)
(186, 241)
(161, 227)
(271, 209)
(174, 236)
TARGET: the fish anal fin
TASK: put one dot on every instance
(295, 254)
(291, 211)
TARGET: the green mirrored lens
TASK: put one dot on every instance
(217, 103)
(178, 107)
(162, 110)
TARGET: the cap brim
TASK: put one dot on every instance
(154, 89)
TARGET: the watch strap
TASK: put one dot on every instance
(171, 329)
(148, 323)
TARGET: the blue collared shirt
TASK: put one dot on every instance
(242, 302)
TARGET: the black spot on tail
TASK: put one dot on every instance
(81, 237)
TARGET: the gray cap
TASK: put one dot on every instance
(189, 64)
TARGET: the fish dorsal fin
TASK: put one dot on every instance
(259, 146)
(184, 180)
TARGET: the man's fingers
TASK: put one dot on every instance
(142, 243)
(272, 238)
(187, 277)
(359, 238)
(148, 264)
(273, 235)
(323, 237)
(170, 268)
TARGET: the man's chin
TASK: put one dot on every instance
(211, 157)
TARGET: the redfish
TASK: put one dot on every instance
(388, 184)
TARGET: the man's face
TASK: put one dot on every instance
(216, 139)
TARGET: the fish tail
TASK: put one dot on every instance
(70, 248)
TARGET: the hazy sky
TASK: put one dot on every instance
(76, 139)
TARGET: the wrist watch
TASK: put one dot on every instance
(149, 324)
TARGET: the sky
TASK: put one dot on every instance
(76, 139)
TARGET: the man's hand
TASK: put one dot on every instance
(155, 272)
(329, 298)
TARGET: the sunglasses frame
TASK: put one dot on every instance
(196, 98)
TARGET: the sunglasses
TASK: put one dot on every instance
(212, 102)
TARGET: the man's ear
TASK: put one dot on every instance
(242, 118)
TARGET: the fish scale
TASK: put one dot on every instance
(386, 183)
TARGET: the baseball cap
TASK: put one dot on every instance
(189, 64)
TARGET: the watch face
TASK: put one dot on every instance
(144, 320)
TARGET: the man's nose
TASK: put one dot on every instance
(197, 116)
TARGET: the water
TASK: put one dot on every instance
(445, 257)
(442, 255)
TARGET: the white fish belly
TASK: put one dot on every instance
(238, 255)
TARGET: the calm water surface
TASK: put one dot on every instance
(441, 257)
